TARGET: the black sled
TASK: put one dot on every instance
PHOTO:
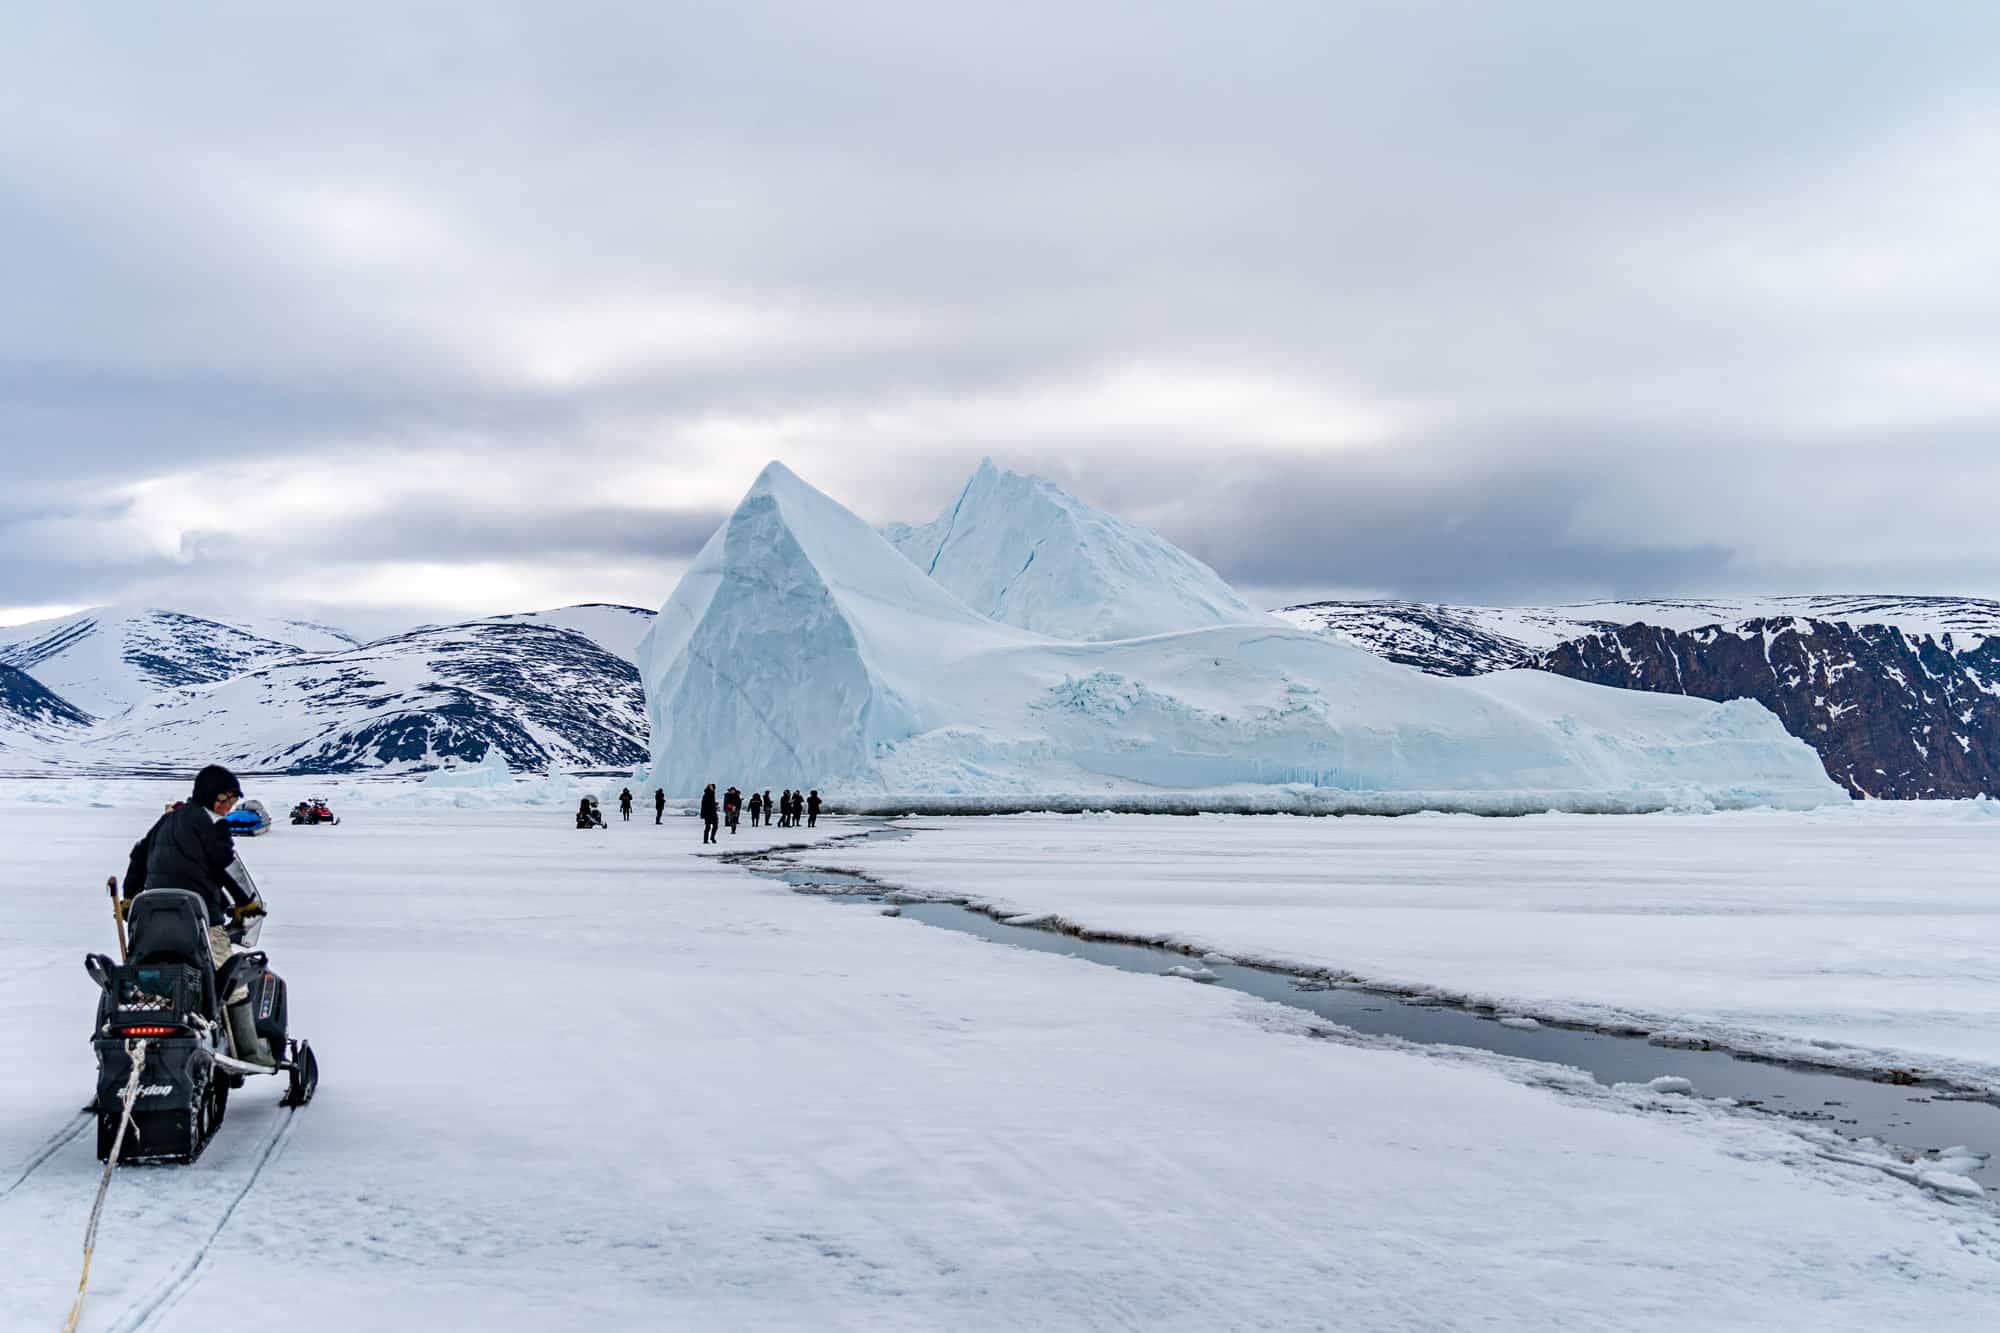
(168, 996)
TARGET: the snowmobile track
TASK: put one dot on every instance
(55, 1144)
(177, 1284)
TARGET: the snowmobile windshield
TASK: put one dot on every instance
(246, 916)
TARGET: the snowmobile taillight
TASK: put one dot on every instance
(147, 1030)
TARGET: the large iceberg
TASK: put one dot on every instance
(801, 650)
(1024, 551)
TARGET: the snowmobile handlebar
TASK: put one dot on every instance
(246, 922)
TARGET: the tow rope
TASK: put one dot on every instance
(136, 1049)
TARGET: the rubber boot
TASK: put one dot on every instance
(243, 1035)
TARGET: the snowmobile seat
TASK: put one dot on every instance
(164, 927)
(168, 923)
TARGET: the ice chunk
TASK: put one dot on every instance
(489, 773)
(1190, 973)
(1948, 1182)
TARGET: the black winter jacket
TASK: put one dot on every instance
(186, 849)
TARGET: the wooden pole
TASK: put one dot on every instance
(117, 918)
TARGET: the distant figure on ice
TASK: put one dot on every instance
(756, 808)
(659, 804)
(708, 816)
(732, 808)
(785, 809)
(797, 810)
(812, 809)
(770, 809)
(587, 815)
(625, 804)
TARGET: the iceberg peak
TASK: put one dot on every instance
(1020, 549)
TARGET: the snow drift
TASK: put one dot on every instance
(1024, 551)
(801, 649)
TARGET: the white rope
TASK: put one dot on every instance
(136, 1049)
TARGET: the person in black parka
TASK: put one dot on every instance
(189, 847)
(625, 805)
(710, 815)
(812, 809)
(659, 804)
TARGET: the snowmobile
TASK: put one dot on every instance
(168, 997)
(247, 820)
(315, 811)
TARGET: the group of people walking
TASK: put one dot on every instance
(787, 811)
(792, 809)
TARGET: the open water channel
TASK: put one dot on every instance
(1915, 1118)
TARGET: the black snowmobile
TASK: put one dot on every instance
(168, 996)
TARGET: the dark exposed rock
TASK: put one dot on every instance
(26, 703)
(1893, 714)
(1441, 640)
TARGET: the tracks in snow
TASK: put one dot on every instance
(168, 1292)
(53, 1145)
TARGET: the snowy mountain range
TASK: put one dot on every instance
(803, 648)
(541, 688)
(1899, 695)
(104, 661)
(1450, 640)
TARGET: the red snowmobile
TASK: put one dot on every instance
(315, 811)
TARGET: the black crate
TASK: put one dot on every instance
(159, 991)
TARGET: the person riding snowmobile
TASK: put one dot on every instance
(191, 847)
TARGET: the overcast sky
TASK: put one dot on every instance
(421, 309)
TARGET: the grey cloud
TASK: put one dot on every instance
(236, 233)
(440, 532)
